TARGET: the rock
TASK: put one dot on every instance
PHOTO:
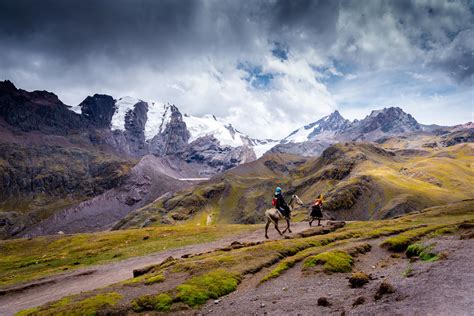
(135, 128)
(358, 279)
(174, 138)
(323, 301)
(262, 305)
(207, 150)
(358, 301)
(217, 301)
(37, 111)
(467, 235)
(98, 109)
(60, 232)
(384, 288)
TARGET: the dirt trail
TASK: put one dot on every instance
(93, 277)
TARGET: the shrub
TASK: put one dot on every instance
(424, 252)
(358, 279)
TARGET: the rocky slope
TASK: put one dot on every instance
(38, 180)
(145, 182)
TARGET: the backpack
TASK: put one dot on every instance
(274, 201)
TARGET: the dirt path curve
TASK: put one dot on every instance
(93, 277)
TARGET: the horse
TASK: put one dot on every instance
(273, 215)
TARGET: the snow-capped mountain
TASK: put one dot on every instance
(325, 127)
(223, 131)
(159, 130)
(313, 138)
(383, 122)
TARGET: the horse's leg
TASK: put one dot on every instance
(288, 225)
(266, 228)
(311, 221)
(276, 227)
(284, 231)
(319, 221)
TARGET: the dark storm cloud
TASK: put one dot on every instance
(127, 31)
(190, 52)
(75, 30)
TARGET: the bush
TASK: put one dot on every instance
(358, 279)
(421, 251)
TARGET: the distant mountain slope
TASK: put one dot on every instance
(378, 127)
(38, 180)
(358, 181)
(237, 196)
(326, 127)
(146, 182)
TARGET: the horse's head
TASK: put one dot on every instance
(296, 198)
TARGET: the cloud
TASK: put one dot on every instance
(267, 66)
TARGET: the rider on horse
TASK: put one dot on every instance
(280, 203)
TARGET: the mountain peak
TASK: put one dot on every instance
(7, 86)
(335, 117)
(392, 110)
(335, 114)
(392, 120)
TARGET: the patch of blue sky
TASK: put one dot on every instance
(334, 73)
(256, 77)
(280, 51)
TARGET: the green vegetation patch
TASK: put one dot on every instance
(161, 303)
(444, 231)
(424, 252)
(332, 261)
(25, 260)
(400, 242)
(197, 290)
(281, 267)
(26, 312)
(85, 307)
(155, 279)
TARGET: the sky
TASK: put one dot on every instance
(268, 67)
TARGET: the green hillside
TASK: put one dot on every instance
(359, 182)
